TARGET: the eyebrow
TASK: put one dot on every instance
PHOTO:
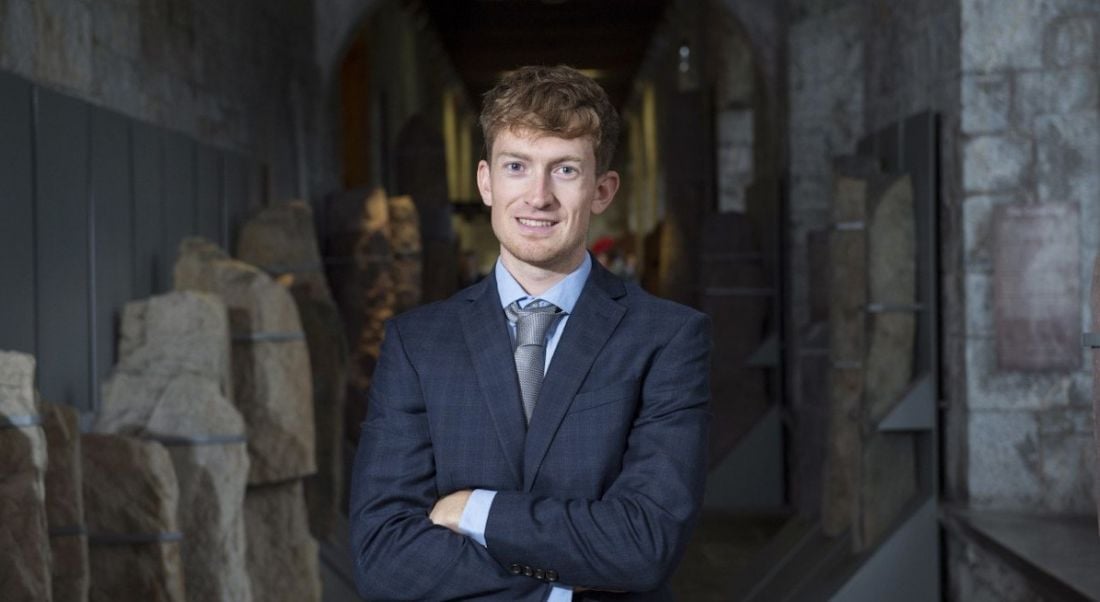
(523, 157)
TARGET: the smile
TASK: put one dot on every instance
(535, 223)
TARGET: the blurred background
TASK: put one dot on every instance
(890, 210)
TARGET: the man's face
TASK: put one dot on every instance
(543, 191)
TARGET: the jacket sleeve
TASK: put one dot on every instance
(398, 553)
(632, 537)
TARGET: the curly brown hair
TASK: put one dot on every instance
(554, 100)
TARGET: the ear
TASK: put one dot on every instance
(606, 187)
(485, 183)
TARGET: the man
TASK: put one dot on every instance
(479, 477)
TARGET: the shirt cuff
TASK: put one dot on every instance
(476, 514)
(560, 594)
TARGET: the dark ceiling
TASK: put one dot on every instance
(487, 37)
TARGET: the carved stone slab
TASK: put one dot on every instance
(24, 541)
(271, 370)
(131, 499)
(362, 281)
(887, 475)
(167, 387)
(282, 555)
(281, 240)
(407, 264)
(847, 298)
(65, 504)
(1037, 287)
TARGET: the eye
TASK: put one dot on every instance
(513, 166)
(568, 170)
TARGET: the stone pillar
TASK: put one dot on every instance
(25, 555)
(361, 274)
(869, 475)
(65, 504)
(273, 390)
(131, 499)
(407, 261)
(280, 240)
(168, 387)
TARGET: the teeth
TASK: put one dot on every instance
(537, 223)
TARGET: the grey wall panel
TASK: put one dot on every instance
(62, 229)
(208, 195)
(17, 305)
(113, 241)
(147, 171)
(179, 197)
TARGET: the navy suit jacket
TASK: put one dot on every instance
(601, 491)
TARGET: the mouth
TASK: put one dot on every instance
(535, 223)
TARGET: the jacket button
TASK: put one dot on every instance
(539, 574)
(515, 569)
(528, 570)
(551, 575)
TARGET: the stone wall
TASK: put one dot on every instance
(233, 74)
(1030, 133)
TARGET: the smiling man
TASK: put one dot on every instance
(542, 434)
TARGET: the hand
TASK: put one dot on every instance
(448, 510)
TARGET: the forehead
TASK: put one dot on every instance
(542, 144)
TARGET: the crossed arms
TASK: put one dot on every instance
(628, 540)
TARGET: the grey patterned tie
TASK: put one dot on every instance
(532, 323)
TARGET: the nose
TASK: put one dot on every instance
(542, 194)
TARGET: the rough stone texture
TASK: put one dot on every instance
(272, 380)
(998, 35)
(65, 504)
(24, 539)
(993, 163)
(1037, 287)
(407, 261)
(979, 576)
(1005, 461)
(362, 282)
(282, 241)
(282, 557)
(987, 103)
(221, 72)
(847, 298)
(170, 385)
(130, 489)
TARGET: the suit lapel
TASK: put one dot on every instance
(594, 318)
(490, 348)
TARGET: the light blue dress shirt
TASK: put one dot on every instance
(564, 294)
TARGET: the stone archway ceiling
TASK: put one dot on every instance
(606, 38)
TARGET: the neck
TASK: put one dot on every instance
(536, 280)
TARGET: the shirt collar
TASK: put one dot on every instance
(564, 294)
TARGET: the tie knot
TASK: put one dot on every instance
(533, 321)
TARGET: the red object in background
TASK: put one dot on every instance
(604, 244)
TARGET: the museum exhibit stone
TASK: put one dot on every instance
(282, 241)
(273, 389)
(131, 501)
(282, 556)
(170, 386)
(65, 503)
(360, 249)
(24, 539)
(869, 475)
(272, 385)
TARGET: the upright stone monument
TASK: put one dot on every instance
(361, 274)
(273, 389)
(170, 386)
(407, 256)
(65, 504)
(25, 549)
(281, 241)
(131, 500)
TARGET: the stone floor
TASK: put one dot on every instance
(721, 547)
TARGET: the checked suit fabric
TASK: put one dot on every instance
(532, 323)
